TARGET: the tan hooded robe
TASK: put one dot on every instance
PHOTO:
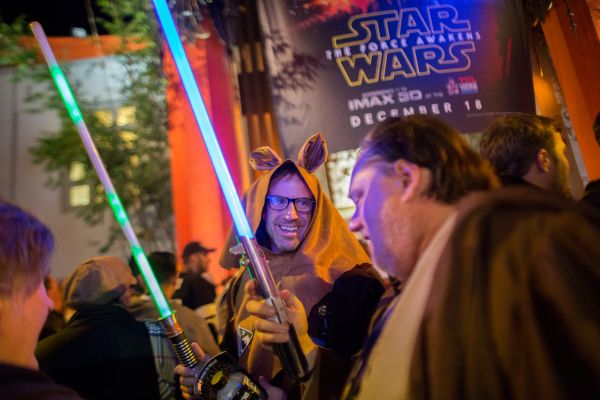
(328, 251)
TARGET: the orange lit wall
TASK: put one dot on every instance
(72, 49)
(200, 210)
(576, 58)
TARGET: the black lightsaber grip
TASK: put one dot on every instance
(293, 362)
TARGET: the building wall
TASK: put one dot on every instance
(574, 54)
(23, 182)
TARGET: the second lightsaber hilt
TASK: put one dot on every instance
(181, 345)
(290, 354)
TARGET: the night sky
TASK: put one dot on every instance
(56, 16)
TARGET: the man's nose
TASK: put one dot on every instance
(291, 212)
(357, 224)
(354, 224)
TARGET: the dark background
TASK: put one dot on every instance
(56, 16)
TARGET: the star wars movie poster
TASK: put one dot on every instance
(342, 66)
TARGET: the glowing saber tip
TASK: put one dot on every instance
(202, 119)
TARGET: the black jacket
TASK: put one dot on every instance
(17, 383)
(102, 353)
(195, 291)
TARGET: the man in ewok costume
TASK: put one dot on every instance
(311, 252)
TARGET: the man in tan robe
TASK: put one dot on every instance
(409, 175)
(312, 253)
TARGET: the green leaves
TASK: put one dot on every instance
(132, 143)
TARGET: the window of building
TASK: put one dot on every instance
(78, 191)
(339, 169)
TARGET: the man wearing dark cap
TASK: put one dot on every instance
(103, 352)
(195, 290)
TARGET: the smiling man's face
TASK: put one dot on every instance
(287, 228)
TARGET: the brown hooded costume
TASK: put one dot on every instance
(514, 309)
(329, 271)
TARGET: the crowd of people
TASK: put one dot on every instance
(491, 290)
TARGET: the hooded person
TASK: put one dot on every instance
(310, 251)
(103, 352)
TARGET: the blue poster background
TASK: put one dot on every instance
(341, 67)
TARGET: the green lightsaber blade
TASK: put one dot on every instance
(113, 199)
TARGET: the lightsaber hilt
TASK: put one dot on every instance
(290, 354)
(181, 345)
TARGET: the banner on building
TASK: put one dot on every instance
(340, 67)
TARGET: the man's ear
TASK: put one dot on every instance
(410, 178)
(543, 160)
(140, 282)
(173, 281)
(125, 297)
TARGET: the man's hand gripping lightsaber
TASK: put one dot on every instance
(292, 358)
(180, 343)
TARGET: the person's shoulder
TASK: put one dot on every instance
(188, 275)
(183, 312)
(142, 309)
(359, 275)
(591, 194)
(593, 186)
(192, 277)
(514, 181)
(523, 198)
(360, 282)
(51, 346)
(203, 283)
(17, 383)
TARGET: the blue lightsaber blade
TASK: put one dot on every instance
(202, 119)
(291, 356)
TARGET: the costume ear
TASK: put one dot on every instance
(313, 153)
(264, 159)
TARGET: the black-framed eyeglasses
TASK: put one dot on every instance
(280, 203)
